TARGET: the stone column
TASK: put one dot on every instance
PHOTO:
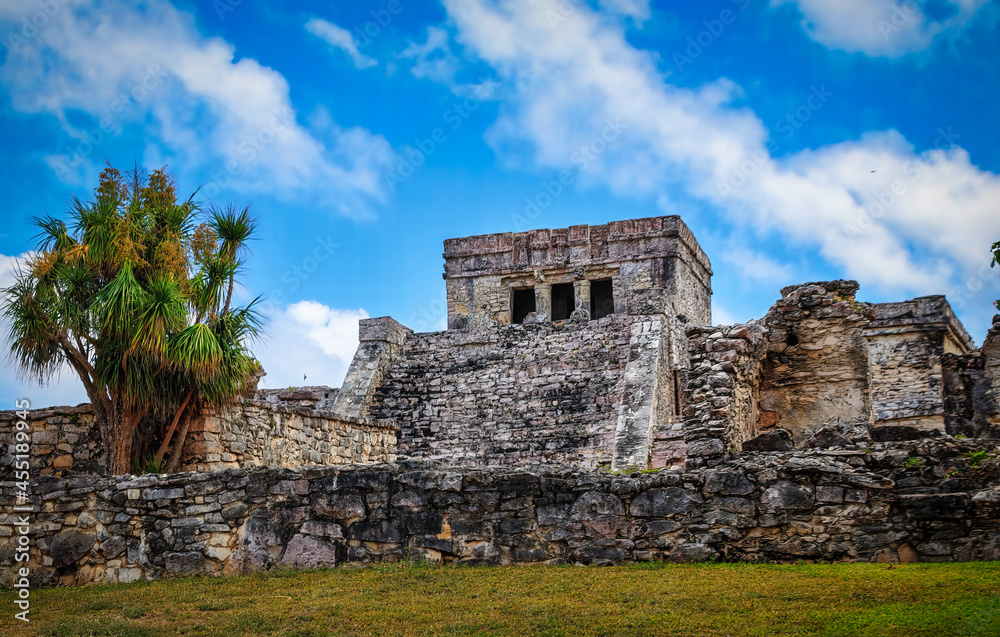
(581, 293)
(543, 301)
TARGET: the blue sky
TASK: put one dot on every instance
(799, 139)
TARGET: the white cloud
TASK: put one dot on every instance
(311, 339)
(204, 111)
(879, 28)
(64, 388)
(936, 222)
(340, 38)
(636, 9)
(433, 59)
(754, 266)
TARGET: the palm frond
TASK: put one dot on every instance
(196, 350)
(162, 313)
(234, 228)
(31, 332)
(118, 302)
(52, 235)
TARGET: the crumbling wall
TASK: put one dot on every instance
(722, 392)
(933, 501)
(63, 439)
(972, 388)
(257, 433)
(512, 395)
(816, 371)
(906, 343)
(280, 428)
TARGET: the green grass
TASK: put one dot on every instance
(657, 599)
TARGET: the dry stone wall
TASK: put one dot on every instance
(256, 433)
(63, 440)
(937, 500)
(816, 371)
(972, 388)
(279, 429)
(512, 395)
(907, 341)
(722, 389)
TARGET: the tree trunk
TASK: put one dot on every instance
(175, 456)
(173, 425)
(117, 431)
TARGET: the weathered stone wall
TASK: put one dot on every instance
(381, 342)
(63, 439)
(280, 429)
(906, 342)
(821, 369)
(722, 390)
(816, 371)
(972, 388)
(933, 501)
(655, 264)
(257, 433)
(511, 395)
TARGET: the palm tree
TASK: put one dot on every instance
(136, 298)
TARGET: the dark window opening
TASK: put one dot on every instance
(602, 299)
(792, 340)
(563, 301)
(523, 304)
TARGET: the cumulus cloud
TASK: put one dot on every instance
(203, 109)
(880, 28)
(898, 218)
(342, 39)
(309, 339)
(64, 388)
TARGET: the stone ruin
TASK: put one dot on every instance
(592, 346)
(828, 429)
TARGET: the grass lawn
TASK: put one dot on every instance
(658, 599)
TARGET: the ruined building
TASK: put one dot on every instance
(592, 346)
(820, 431)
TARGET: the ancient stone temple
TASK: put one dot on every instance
(563, 347)
(575, 361)
(593, 346)
(636, 267)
